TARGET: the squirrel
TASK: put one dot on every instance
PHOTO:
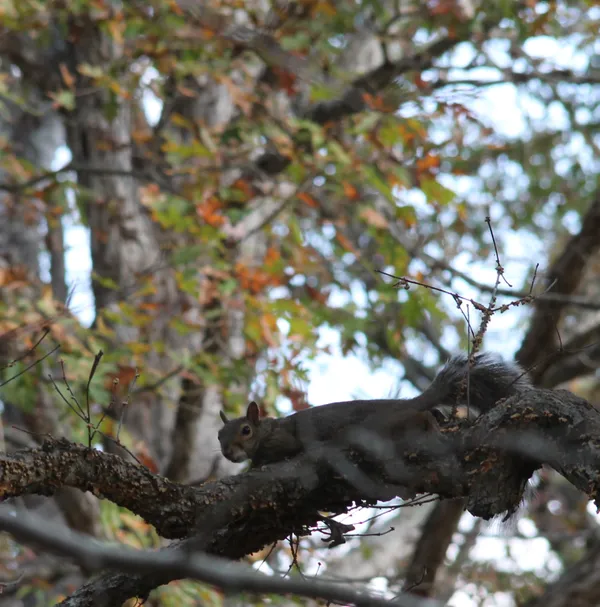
(487, 379)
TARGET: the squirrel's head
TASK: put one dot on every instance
(239, 438)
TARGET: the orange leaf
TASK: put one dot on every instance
(253, 279)
(429, 162)
(124, 376)
(67, 77)
(116, 29)
(350, 191)
(209, 211)
(149, 305)
(240, 97)
(173, 6)
(346, 244)
(245, 187)
(148, 461)
(271, 256)
(316, 295)
(185, 91)
(376, 102)
(298, 398)
(287, 80)
(308, 200)
(327, 8)
(268, 324)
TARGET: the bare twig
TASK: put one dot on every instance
(91, 433)
(13, 362)
(33, 364)
(79, 411)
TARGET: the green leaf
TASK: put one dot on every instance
(338, 151)
(377, 180)
(436, 192)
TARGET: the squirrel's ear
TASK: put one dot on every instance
(223, 417)
(252, 413)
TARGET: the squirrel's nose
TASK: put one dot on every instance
(234, 455)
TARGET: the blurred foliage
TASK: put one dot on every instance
(422, 165)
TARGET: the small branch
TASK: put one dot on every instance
(352, 100)
(33, 364)
(555, 76)
(15, 188)
(87, 395)
(12, 363)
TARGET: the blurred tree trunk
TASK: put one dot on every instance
(35, 137)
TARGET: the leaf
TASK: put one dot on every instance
(66, 75)
(350, 190)
(430, 161)
(375, 179)
(308, 200)
(436, 192)
(268, 323)
(367, 123)
(321, 92)
(374, 218)
(339, 153)
(63, 99)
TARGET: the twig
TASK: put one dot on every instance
(117, 442)
(12, 363)
(83, 416)
(126, 403)
(95, 364)
(157, 384)
(33, 364)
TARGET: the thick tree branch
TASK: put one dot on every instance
(60, 463)
(569, 364)
(565, 274)
(448, 463)
(488, 463)
(430, 550)
(352, 100)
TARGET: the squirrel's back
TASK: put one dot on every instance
(478, 383)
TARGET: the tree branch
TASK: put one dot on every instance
(60, 463)
(565, 274)
(352, 100)
(175, 563)
(488, 463)
(553, 76)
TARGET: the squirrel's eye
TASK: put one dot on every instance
(246, 430)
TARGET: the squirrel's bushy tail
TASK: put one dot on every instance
(479, 385)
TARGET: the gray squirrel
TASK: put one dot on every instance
(479, 384)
